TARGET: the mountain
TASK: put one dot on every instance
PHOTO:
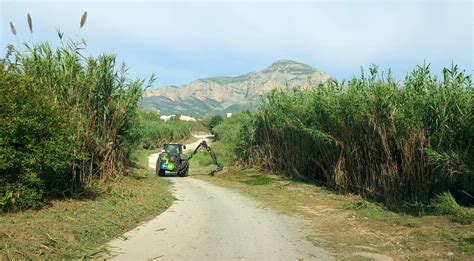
(229, 94)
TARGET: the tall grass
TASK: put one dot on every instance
(98, 99)
(94, 104)
(371, 135)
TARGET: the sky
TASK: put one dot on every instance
(181, 41)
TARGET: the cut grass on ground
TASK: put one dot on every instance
(76, 228)
(347, 223)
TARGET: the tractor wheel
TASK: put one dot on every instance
(184, 173)
(160, 172)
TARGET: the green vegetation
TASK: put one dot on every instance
(258, 180)
(202, 158)
(34, 137)
(65, 121)
(374, 136)
(69, 125)
(154, 132)
(211, 121)
(445, 204)
(226, 157)
(464, 240)
(367, 209)
(236, 133)
(77, 228)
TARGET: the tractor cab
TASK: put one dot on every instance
(174, 148)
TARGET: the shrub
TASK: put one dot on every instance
(211, 121)
(237, 133)
(35, 141)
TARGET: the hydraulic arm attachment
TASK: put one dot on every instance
(203, 144)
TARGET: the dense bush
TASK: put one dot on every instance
(35, 143)
(155, 132)
(211, 121)
(372, 135)
(237, 134)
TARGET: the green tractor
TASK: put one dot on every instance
(172, 161)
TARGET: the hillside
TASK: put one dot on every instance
(230, 94)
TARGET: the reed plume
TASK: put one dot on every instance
(83, 19)
(30, 23)
(13, 29)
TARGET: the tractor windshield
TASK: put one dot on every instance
(172, 148)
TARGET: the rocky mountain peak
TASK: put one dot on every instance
(228, 94)
(288, 66)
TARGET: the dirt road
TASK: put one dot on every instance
(207, 222)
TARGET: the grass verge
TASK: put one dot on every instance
(77, 228)
(348, 224)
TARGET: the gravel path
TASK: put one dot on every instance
(207, 222)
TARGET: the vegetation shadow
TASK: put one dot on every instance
(137, 176)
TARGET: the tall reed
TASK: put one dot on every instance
(96, 98)
(372, 135)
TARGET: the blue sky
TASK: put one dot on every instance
(181, 41)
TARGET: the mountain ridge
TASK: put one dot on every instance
(219, 93)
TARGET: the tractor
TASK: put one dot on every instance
(172, 161)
